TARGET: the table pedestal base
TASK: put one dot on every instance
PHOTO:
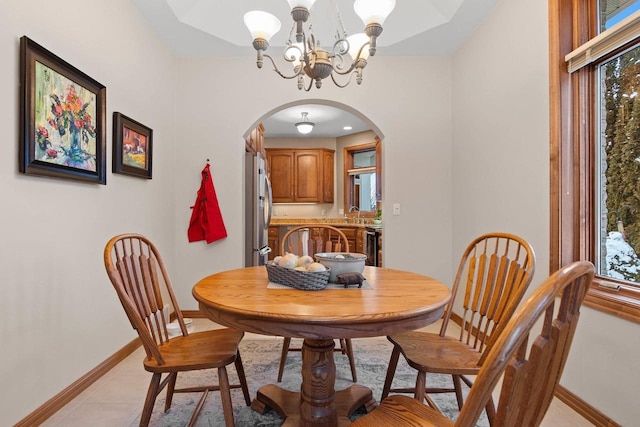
(317, 404)
(287, 404)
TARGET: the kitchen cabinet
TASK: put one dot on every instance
(355, 237)
(327, 176)
(255, 141)
(274, 242)
(301, 176)
(280, 166)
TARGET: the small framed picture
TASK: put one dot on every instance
(62, 118)
(132, 147)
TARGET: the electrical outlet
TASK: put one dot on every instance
(396, 208)
(340, 211)
(323, 212)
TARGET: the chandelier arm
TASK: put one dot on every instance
(340, 47)
(355, 62)
(342, 73)
(308, 88)
(341, 85)
(275, 68)
(362, 48)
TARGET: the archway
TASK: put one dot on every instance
(364, 137)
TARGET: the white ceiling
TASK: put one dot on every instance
(216, 28)
(329, 122)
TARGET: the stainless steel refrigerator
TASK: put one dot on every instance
(257, 209)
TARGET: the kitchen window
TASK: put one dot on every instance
(595, 146)
(362, 178)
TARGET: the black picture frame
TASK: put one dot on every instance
(132, 147)
(62, 118)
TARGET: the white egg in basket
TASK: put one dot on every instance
(341, 262)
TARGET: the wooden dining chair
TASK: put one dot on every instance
(529, 382)
(142, 283)
(310, 239)
(492, 277)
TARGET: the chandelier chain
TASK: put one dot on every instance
(341, 26)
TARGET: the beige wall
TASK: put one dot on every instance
(501, 182)
(59, 315)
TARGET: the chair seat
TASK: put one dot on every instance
(400, 410)
(199, 350)
(433, 353)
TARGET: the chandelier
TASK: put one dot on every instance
(348, 55)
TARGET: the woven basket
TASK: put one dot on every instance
(305, 280)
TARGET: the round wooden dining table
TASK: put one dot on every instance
(390, 301)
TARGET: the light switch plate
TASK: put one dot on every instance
(396, 208)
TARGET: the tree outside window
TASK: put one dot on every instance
(619, 177)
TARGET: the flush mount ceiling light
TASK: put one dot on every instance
(306, 56)
(305, 126)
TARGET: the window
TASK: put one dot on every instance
(618, 167)
(595, 141)
(362, 178)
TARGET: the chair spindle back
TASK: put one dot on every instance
(529, 382)
(310, 239)
(142, 283)
(494, 273)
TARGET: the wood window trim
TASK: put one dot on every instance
(571, 156)
(347, 157)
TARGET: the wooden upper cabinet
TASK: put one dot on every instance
(327, 176)
(280, 166)
(255, 141)
(307, 185)
(299, 176)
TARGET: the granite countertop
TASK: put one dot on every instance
(335, 222)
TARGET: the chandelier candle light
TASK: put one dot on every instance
(305, 54)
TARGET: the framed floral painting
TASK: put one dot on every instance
(62, 118)
(132, 147)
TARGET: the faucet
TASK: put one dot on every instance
(351, 209)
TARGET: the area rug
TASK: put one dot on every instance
(260, 359)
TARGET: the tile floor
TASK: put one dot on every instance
(116, 399)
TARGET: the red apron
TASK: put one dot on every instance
(206, 220)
